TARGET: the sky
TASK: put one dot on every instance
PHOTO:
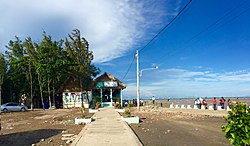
(204, 52)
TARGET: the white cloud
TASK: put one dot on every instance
(186, 83)
(180, 73)
(112, 27)
(244, 77)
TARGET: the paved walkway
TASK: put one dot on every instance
(107, 130)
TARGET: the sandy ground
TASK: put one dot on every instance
(179, 127)
(38, 127)
(158, 126)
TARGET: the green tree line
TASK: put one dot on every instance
(39, 69)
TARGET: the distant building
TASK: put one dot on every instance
(108, 88)
(73, 95)
(105, 87)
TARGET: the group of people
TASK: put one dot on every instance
(199, 102)
(222, 103)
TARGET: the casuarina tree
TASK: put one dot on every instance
(2, 74)
(77, 48)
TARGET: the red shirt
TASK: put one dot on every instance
(214, 101)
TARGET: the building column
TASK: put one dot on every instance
(101, 96)
(121, 97)
(111, 96)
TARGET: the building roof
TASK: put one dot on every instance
(108, 77)
(71, 84)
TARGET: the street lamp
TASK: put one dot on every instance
(155, 67)
(138, 75)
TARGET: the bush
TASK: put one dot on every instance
(92, 106)
(237, 129)
(119, 106)
(127, 112)
(130, 105)
(97, 100)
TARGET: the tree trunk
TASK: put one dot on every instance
(1, 83)
(0, 109)
(31, 88)
(49, 94)
(81, 90)
(41, 89)
(53, 90)
(87, 95)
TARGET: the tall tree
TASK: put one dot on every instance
(2, 74)
(16, 69)
(77, 49)
(29, 59)
(51, 53)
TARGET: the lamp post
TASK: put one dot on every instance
(155, 67)
(138, 75)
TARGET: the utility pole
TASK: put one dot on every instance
(138, 80)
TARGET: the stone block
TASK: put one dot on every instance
(211, 107)
(120, 110)
(131, 119)
(82, 120)
(219, 107)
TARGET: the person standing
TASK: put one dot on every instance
(153, 99)
(222, 102)
(214, 103)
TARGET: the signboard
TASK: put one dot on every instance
(110, 84)
(99, 85)
(106, 84)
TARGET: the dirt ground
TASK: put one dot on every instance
(157, 127)
(164, 128)
(39, 127)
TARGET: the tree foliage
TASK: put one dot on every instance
(2, 69)
(237, 129)
(2, 72)
(77, 49)
(38, 68)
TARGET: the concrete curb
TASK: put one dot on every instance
(80, 134)
(133, 133)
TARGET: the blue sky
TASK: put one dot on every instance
(204, 52)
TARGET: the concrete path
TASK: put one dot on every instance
(107, 130)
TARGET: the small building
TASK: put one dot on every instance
(105, 87)
(73, 95)
(108, 88)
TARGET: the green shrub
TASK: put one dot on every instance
(237, 129)
(127, 112)
(92, 106)
(118, 106)
(130, 105)
(97, 100)
(116, 99)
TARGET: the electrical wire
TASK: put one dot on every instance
(156, 37)
(165, 26)
(128, 68)
(209, 27)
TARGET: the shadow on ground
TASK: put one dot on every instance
(27, 138)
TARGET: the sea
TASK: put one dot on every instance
(190, 101)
